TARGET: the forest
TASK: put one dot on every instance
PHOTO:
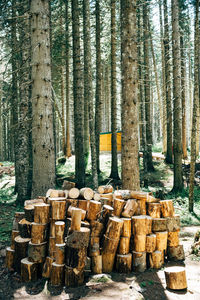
(96, 93)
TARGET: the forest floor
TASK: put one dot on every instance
(149, 285)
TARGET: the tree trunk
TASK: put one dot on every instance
(42, 114)
(130, 166)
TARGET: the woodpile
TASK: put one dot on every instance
(70, 233)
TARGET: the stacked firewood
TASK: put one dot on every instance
(70, 233)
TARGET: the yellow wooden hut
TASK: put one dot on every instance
(105, 141)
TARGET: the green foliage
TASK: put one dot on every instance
(157, 147)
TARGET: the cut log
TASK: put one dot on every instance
(94, 249)
(41, 213)
(159, 225)
(72, 202)
(108, 260)
(39, 233)
(24, 228)
(13, 236)
(94, 210)
(56, 193)
(58, 210)
(97, 264)
(50, 200)
(140, 195)
(173, 223)
(21, 251)
(106, 201)
(75, 258)
(118, 205)
(110, 245)
(175, 278)
(79, 239)
(96, 196)
(73, 277)
(47, 267)
(86, 193)
(130, 208)
(167, 208)
(161, 240)
(139, 261)
(18, 216)
(29, 270)
(67, 185)
(124, 245)
(76, 219)
(52, 247)
(148, 224)
(150, 243)
(60, 253)
(57, 274)
(96, 228)
(124, 263)
(37, 252)
(126, 228)
(108, 196)
(74, 193)
(156, 260)
(140, 242)
(154, 210)
(33, 202)
(114, 228)
(139, 225)
(151, 199)
(82, 204)
(70, 209)
(173, 238)
(59, 232)
(141, 209)
(52, 228)
(10, 253)
(106, 213)
(29, 212)
(105, 189)
(176, 253)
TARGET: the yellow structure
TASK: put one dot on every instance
(105, 141)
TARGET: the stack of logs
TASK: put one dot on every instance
(67, 234)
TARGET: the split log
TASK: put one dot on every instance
(154, 210)
(37, 252)
(124, 263)
(130, 208)
(173, 238)
(10, 253)
(52, 247)
(106, 213)
(175, 278)
(97, 264)
(94, 210)
(110, 245)
(167, 208)
(141, 209)
(114, 228)
(159, 224)
(58, 210)
(118, 205)
(139, 261)
(161, 240)
(73, 277)
(59, 232)
(96, 228)
(124, 245)
(67, 185)
(86, 193)
(60, 253)
(24, 228)
(52, 228)
(176, 253)
(148, 224)
(150, 243)
(139, 225)
(47, 267)
(140, 242)
(126, 228)
(29, 270)
(76, 219)
(18, 216)
(21, 251)
(13, 236)
(29, 212)
(75, 257)
(39, 233)
(105, 189)
(96, 196)
(173, 223)
(41, 213)
(79, 239)
(82, 204)
(70, 209)
(156, 260)
(74, 193)
(108, 260)
(57, 274)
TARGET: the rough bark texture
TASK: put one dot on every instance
(78, 98)
(42, 115)
(130, 166)
(177, 111)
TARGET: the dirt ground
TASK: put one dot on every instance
(149, 285)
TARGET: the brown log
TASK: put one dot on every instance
(75, 258)
(82, 204)
(10, 253)
(106, 213)
(24, 228)
(74, 193)
(18, 216)
(70, 209)
(176, 253)
(37, 252)
(47, 267)
(139, 261)
(55, 193)
(159, 224)
(161, 240)
(72, 202)
(105, 189)
(175, 278)
(73, 277)
(94, 210)
(139, 225)
(96, 196)
(29, 270)
(173, 223)
(50, 200)
(124, 245)
(68, 225)
(108, 260)
(167, 208)
(13, 236)
(130, 208)
(173, 238)
(141, 209)
(97, 264)
(39, 233)
(86, 193)
(41, 213)
(149, 224)
(114, 228)
(154, 210)
(33, 202)
(21, 251)
(110, 245)
(52, 228)
(118, 205)
(67, 185)
(76, 218)
(126, 228)
(140, 195)
(140, 242)
(29, 212)
(124, 263)
(94, 249)
(52, 247)
(155, 259)
(59, 232)
(79, 239)
(150, 243)
(106, 201)
(60, 253)
(58, 210)
(96, 228)
(57, 274)
(108, 196)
